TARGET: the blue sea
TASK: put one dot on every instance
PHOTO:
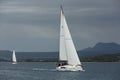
(47, 71)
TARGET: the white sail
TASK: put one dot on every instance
(14, 57)
(71, 53)
(62, 51)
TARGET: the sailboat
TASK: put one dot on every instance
(14, 57)
(68, 57)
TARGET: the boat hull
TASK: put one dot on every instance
(69, 68)
(14, 63)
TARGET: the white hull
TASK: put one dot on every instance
(14, 63)
(69, 68)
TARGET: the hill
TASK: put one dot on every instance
(100, 49)
(100, 52)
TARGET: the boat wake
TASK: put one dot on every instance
(40, 69)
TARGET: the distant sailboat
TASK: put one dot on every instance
(14, 57)
(68, 57)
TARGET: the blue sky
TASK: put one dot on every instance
(33, 25)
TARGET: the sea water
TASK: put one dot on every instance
(47, 71)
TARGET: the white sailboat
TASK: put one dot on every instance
(68, 57)
(14, 57)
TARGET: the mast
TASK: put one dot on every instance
(61, 9)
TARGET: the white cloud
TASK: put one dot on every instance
(22, 9)
(85, 10)
(14, 9)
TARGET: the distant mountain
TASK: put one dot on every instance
(100, 49)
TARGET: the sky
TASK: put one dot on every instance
(34, 25)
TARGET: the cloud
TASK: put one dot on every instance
(35, 23)
(25, 10)
(14, 9)
(27, 31)
(82, 10)
(27, 38)
(24, 7)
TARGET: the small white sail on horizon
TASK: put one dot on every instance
(14, 57)
(68, 56)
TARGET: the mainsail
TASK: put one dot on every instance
(62, 50)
